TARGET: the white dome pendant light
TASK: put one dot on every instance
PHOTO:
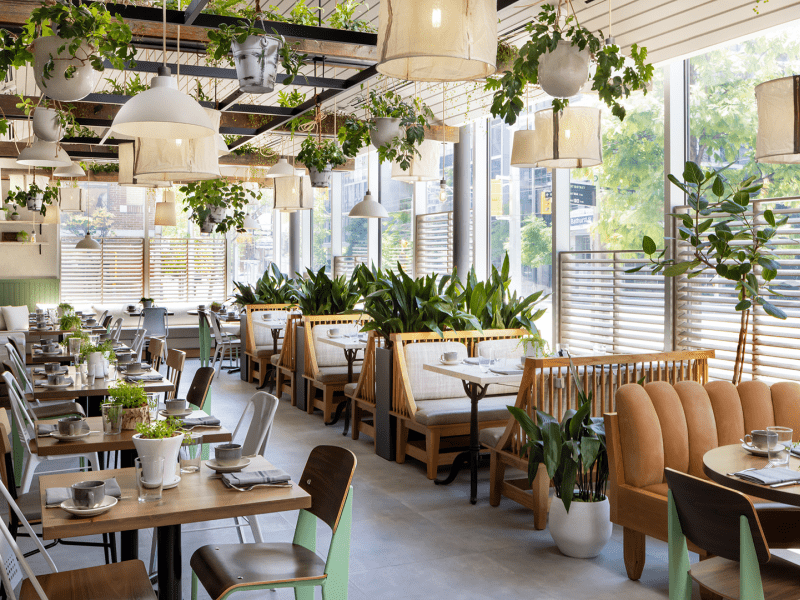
(44, 154)
(437, 40)
(87, 243)
(368, 208)
(163, 112)
(73, 170)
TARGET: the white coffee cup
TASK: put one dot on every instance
(449, 357)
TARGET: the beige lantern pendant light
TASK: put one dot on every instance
(437, 40)
(293, 193)
(523, 155)
(569, 139)
(424, 167)
(165, 210)
(126, 152)
(778, 139)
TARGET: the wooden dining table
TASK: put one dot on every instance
(198, 497)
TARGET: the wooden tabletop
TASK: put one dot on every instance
(38, 358)
(473, 373)
(717, 463)
(98, 388)
(99, 442)
(197, 498)
(344, 342)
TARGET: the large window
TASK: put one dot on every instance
(250, 253)
(353, 186)
(321, 249)
(397, 239)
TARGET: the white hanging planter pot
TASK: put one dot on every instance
(166, 447)
(320, 179)
(46, 126)
(582, 532)
(563, 71)
(216, 214)
(35, 202)
(207, 226)
(58, 87)
(256, 63)
(386, 129)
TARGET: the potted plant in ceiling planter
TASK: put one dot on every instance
(133, 400)
(160, 438)
(320, 156)
(575, 458)
(227, 200)
(558, 56)
(35, 198)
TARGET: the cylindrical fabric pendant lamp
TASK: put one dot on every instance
(71, 199)
(293, 193)
(424, 167)
(569, 139)
(778, 139)
(437, 40)
(126, 152)
(523, 155)
(165, 210)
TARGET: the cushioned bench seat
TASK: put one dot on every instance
(267, 351)
(333, 374)
(490, 436)
(448, 411)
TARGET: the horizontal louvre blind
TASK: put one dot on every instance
(433, 242)
(345, 265)
(706, 317)
(187, 269)
(602, 304)
(112, 274)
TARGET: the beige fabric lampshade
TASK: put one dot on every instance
(569, 139)
(165, 210)
(778, 121)
(523, 154)
(293, 193)
(71, 199)
(424, 167)
(126, 153)
(437, 40)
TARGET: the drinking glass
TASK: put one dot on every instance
(484, 362)
(152, 404)
(112, 418)
(90, 374)
(191, 449)
(149, 477)
(112, 370)
(779, 453)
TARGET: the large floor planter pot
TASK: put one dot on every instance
(563, 71)
(168, 448)
(320, 179)
(256, 63)
(582, 532)
(58, 86)
(46, 126)
(386, 129)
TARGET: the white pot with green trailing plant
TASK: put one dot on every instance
(320, 156)
(47, 124)
(217, 205)
(575, 457)
(133, 400)
(98, 356)
(160, 438)
(64, 309)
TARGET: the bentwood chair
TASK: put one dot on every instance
(224, 569)
(198, 390)
(723, 522)
(176, 360)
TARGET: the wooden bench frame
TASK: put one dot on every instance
(286, 375)
(404, 407)
(327, 404)
(363, 398)
(559, 396)
(258, 364)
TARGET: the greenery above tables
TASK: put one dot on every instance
(201, 196)
(319, 294)
(320, 154)
(19, 197)
(69, 322)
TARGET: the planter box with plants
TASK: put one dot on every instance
(133, 399)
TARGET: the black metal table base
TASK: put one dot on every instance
(344, 407)
(169, 562)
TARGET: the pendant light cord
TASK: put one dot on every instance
(164, 34)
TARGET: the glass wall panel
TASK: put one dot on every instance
(321, 251)
(397, 233)
(353, 185)
(251, 252)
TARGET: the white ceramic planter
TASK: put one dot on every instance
(168, 448)
(256, 63)
(2, 215)
(217, 214)
(35, 202)
(207, 226)
(97, 361)
(46, 126)
(563, 71)
(320, 179)
(386, 129)
(57, 86)
(584, 531)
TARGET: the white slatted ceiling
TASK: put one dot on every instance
(433, 244)
(187, 269)
(112, 274)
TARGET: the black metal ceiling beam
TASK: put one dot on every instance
(249, 109)
(193, 11)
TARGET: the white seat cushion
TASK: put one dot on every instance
(449, 411)
(327, 355)
(15, 317)
(337, 374)
(426, 385)
(275, 359)
(490, 436)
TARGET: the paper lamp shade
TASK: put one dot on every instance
(44, 154)
(281, 169)
(165, 210)
(424, 167)
(293, 193)
(778, 139)
(71, 199)
(569, 139)
(437, 40)
(523, 155)
(73, 170)
(126, 153)
(368, 208)
(87, 243)
(163, 112)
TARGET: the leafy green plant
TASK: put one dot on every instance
(573, 451)
(23, 236)
(613, 79)
(106, 348)
(320, 154)
(273, 288)
(128, 395)
(290, 100)
(69, 322)
(77, 333)
(201, 195)
(159, 429)
(19, 197)
(318, 294)
(143, 300)
(301, 14)
(66, 308)
(505, 53)
(727, 239)
(343, 17)
(130, 86)
(216, 306)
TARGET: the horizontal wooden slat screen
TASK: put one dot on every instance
(706, 318)
(187, 269)
(433, 244)
(113, 274)
(345, 265)
(602, 304)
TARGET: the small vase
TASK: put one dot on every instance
(46, 126)
(132, 416)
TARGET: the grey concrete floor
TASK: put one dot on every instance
(411, 539)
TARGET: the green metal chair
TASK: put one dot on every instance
(723, 522)
(226, 569)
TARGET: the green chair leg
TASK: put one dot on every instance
(304, 593)
(194, 585)
(750, 587)
(680, 582)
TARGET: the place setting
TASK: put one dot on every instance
(85, 498)
(55, 381)
(65, 430)
(50, 369)
(228, 463)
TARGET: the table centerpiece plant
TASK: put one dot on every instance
(162, 437)
(133, 400)
(98, 356)
(65, 308)
(70, 322)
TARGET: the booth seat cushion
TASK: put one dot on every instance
(275, 359)
(449, 411)
(262, 334)
(15, 318)
(266, 351)
(426, 385)
(490, 436)
(337, 374)
(350, 388)
(327, 355)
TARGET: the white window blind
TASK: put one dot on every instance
(602, 304)
(112, 274)
(345, 265)
(706, 318)
(433, 240)
(187, 269)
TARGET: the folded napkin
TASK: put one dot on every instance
(471, 361)
(43, 382)
(207, 421)
(144, 377)
(769, 476)
(55, 496)
(47, 429)
(41, 371)
(500, 371)
(255, 477)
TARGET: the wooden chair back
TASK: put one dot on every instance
(176, 359)
(201, 382)
(156, 350)
(309, 322)
(710, 516)
(327, 477)
(251, 311)
(288, 355)
(365, 389)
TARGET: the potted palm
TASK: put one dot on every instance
(133, 400)
(320, 156)
(160, 438)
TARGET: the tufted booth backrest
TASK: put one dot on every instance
(663, 425)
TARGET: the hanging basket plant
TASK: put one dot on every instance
(320, 156)
(557, 51)
(35, 198)
(218, 197)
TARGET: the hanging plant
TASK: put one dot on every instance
(204, 197)
(320, 154)
(343, 17)
(614, 78)
(34, 198)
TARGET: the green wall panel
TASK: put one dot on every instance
(18, 292)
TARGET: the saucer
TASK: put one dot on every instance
(450, 363)
(69, 438)
(335, 337)
(755, 451)
(57, 386)
(107, 503)
(184, 413)
(172, 484)
(212, 464)
(52, 352)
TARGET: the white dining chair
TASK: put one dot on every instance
(116, 329)
(224, 343)
(138, 343)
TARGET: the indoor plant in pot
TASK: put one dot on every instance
(65, 308)
(98, 356)
(146, 302)
(575, 457)
(160, 438)
(230, 199)
(69, 322)
(320, 156)
(133, 399)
